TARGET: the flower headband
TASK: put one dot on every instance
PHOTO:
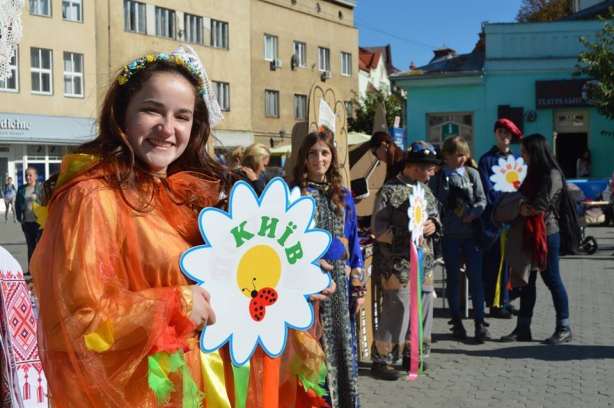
(186, 57)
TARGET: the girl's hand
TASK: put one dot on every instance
(202, 314)
(251, 174)
(468, 218)
(325, 293)
(355, 305)
(429, 228)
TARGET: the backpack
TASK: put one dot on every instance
(569, 223)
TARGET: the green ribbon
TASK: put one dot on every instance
(241, 380)
(160, 365)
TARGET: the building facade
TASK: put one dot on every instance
(525, 75)
(262, 55)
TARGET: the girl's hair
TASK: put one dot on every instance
(254, 155)
(235, 155)
(393, 155)
(118, 158)
(588, 158)
(541, 160)
(333, 175)
(455, 145)
(33, 169)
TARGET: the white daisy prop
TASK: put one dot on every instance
(417, 213)
(259, 264)
(508, 174)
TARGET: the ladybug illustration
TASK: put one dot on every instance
(260, 300)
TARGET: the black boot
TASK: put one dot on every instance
(522, 332)
(458, 330)
(500, 313)
(481, 331)
(385, 371)
(562, 334)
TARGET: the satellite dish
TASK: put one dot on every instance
(294, 61)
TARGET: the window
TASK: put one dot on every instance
(348, 109)
(73, 74)
(300, 53)
(270, 47)
(346, 64)
(271, 103)
(443, 125)
(40, 61)
(193, 28)
(71, 10)
(323, 59)
(165, 23)
(219, 34)
(134, 17)
(300, 107)
(11, 84)
(40, 7)
(222, 91)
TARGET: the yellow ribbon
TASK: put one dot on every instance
(215, 382)
(496, 302)
(102, 338)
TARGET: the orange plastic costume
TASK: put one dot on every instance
(112, 294)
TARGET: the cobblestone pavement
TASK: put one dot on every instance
(576, 374)
(462, 374)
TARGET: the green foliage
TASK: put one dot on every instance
(543, 10)
(364, 110)
(597, 62)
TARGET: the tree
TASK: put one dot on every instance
(364, 110)
(596, 63)
(543, 10)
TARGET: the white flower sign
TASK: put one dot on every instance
(417, 213)
(260, 265)
(508, 174)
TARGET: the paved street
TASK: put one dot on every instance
(580, 374)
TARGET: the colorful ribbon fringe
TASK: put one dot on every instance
(415, 312)
(160, 366)
(497, 300)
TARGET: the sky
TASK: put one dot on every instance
(414, 28)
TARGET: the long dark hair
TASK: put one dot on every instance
(394, 154)
(333, 175)
(541, 160)
(118, 158)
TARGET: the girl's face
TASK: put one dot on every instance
(380, 152)
(456, 160)
(31, 177)
(319, 158)
(159, 120)
(525, 155)
(263, 164)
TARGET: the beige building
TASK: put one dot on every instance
(263, 56)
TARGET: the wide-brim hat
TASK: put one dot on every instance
(421, 152)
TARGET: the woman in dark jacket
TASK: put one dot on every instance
(544, 186)
(27, 195)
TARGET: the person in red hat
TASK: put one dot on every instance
(505, 132)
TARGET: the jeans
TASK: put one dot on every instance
(9, 203)
(491, 261)
(33, 234)
(552, 278)
(452, 249)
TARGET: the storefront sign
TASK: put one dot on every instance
(42, 129)
(559, 94)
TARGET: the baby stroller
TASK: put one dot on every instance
(588, 216)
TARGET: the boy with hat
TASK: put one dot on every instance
(390, 226)
(505, 132)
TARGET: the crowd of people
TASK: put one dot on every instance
(124, 208)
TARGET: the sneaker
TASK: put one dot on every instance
(562, 334)
(458, 330)
(500, 313)
(426, 350)
(385, 371)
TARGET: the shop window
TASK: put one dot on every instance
(443, 125)
(36, 152)
(55, 152)
(165, 23)
(40, 61)
(40, 7)
(270, 47)
(219, 34)
(71, 10)
(11, 84)
(134, 17)
(323, 59)
(193, 28)
(73, 74)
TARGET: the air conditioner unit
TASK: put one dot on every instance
(275, 64)
(326, 75)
